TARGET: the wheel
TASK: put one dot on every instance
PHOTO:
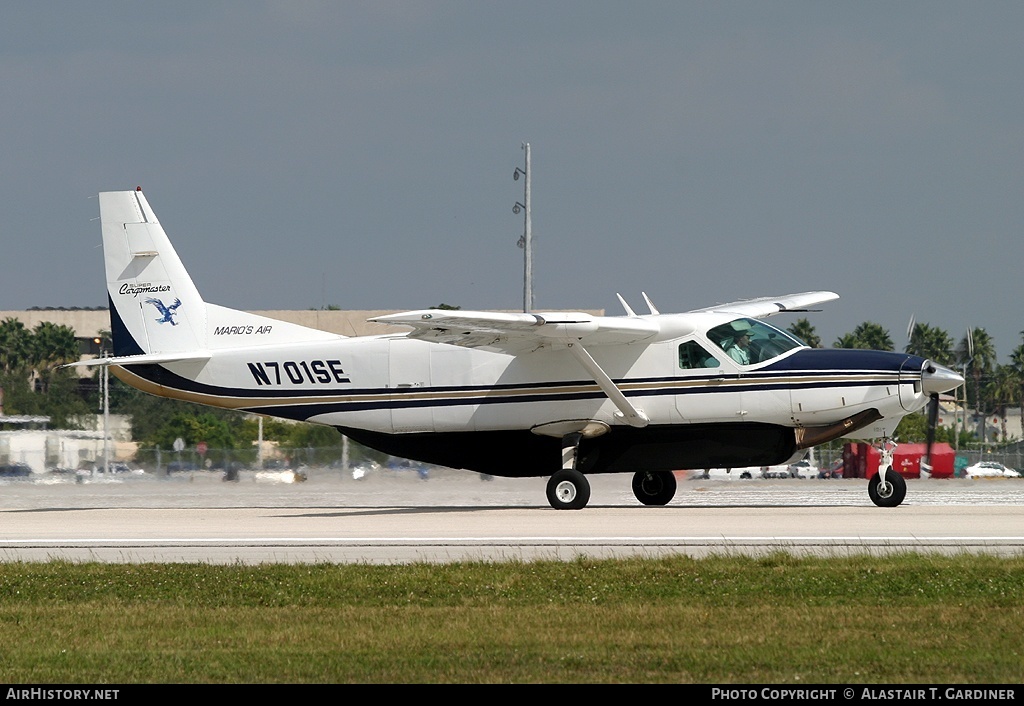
(891, 492)
(568, 489)
(654, 487)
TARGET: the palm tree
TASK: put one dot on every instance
(52, 346)
(15, 353)
(1017, 366)
(868, 336)
(15, 345)
(803, 330)
(1002, 390)
(977, 352)
(931, 342)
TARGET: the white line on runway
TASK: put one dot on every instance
(503, 540)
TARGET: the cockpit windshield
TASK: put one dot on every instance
(751, 341)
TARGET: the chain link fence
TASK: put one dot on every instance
(164, 461)
(1009, 456)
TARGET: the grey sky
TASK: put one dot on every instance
(360, 154)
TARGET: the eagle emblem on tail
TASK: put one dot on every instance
(167, 311)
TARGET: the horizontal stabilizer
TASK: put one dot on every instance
(145, 359)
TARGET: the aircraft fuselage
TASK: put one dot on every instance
(453, 406)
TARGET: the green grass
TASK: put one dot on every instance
(727, 619)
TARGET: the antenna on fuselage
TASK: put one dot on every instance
(627, 307)
(650, 305)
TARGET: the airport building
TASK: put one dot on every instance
(88, 324)
(29, 443)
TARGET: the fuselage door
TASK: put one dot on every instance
(409, 382)
(707, 386)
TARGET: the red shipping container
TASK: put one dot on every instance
(907, 460)
(860, 460)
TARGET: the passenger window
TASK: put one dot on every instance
(692, 356)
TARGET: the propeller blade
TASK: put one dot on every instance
(933, 423)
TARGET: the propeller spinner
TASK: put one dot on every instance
(936, 379)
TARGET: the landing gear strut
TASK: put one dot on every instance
(568, 489)
(887, 488)
(654, 487)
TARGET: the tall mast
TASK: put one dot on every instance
(526, 240)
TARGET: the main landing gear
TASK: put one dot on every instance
(654, 487)
(569, 489)
(887, 488)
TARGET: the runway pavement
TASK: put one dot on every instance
(397, 517)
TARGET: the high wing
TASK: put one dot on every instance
(520, 333)
(766, 306)
(516, 334)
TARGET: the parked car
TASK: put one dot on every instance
(720, 473)
(803, 469)
(362, 470)
(179, 466)
(775, 472)
(402, 464)
(833, 470)
(115, 467)
(15, 470)
(990, 469)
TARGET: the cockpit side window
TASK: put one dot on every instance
(693, 356)
(750, 341)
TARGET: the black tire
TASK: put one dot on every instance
(568, 489)
(890, 495)
(654, 487)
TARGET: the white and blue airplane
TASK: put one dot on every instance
(558, 394)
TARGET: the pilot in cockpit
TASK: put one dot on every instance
(739, 349)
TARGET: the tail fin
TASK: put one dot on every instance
(154, 305)
(155, 308)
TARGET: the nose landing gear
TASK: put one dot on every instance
(887, 488)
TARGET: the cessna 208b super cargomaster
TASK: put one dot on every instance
(555, 394)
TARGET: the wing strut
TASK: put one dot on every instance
(633, 416)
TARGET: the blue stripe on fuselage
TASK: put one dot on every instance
(840, 360)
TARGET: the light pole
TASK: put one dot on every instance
(259, 444)
(526, 240)
(105, 384)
